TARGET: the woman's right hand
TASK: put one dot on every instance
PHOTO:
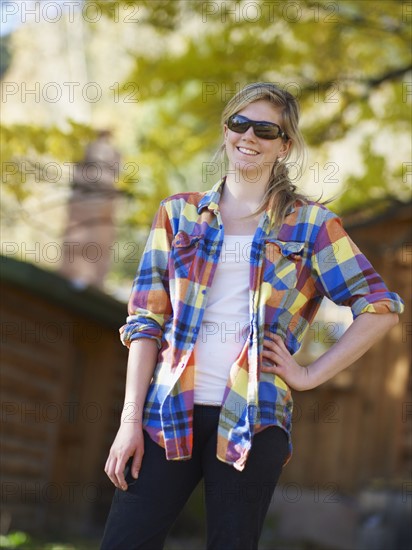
(128, 442)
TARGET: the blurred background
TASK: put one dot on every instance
(107, 107)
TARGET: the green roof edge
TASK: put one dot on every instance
(89, 301)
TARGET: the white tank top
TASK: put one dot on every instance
(225, 324)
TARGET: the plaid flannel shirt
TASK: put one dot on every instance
(291, 269)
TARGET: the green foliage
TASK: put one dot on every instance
(19, 539)
(5, 56)
(347, 61)
(14, 539)
(375, 184)
(326, 54)
(26, 149)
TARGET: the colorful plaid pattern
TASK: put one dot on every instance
(291, 269)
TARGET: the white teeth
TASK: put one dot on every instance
(247, 151)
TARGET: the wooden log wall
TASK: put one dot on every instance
(63, 380)
(354, 432)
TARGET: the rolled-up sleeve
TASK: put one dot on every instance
(344, 274)
(149, 305)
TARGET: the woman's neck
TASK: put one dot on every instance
(243, 195)
(237, 205)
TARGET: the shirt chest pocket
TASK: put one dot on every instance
(282, 263)
(185, 254)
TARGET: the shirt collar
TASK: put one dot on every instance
(211, 200)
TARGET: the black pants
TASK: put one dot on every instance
(236, 502)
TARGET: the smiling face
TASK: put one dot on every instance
(248, 153)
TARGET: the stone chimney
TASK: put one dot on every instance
(90, 230)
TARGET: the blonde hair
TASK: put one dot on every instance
(280, 193)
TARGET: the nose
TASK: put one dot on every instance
(250, 134)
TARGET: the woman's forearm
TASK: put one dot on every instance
(365, 331)
(140, 367)
(129, 440)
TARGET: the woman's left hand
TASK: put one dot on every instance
(277, 360)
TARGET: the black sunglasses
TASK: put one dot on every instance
(265, 130)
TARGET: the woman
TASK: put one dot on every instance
(228, 284)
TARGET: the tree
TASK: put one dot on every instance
(347, 61)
